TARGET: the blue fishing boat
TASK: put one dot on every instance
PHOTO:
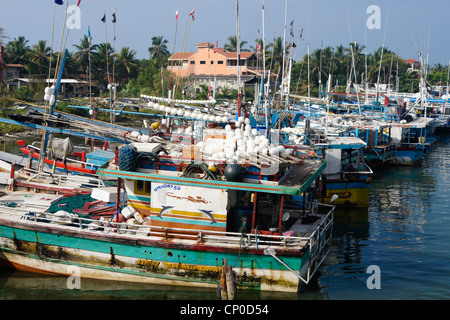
(178, 221)
(346, 180)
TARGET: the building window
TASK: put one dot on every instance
(220, 62)
(212, 62)
(202, 62)
(192, 62)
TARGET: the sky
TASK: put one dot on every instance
(405, 27)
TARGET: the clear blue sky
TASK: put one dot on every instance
(405, 25)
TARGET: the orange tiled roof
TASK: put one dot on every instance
(205, 45)
(182, 55)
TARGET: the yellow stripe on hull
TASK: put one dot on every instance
(348, 197)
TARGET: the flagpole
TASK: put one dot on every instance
(176, 30)
(90, 83)
(111, 115)
(114, 49)
(113, 85)
(182, 50)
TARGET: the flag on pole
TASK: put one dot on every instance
(59, 2)
(176, 15)
(114, 16)
(292, 28)
(79, 1)
(89, 33)
(104, 18)
(217, 44)
(192, 14)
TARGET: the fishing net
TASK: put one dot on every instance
(70, 203)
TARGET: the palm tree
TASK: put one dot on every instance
(99, 63)
(231, 45)
(16, 51)
(158, 51)
(275, 55)
(85, 48)
(39, 55)
(126, 64)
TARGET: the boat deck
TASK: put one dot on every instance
(28, 210)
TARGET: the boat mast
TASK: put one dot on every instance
(448, 76)
(263, 47)
(354, 71)
(238, 47)
(381, 60)
(284, 55)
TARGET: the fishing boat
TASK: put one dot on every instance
(346, 180)
(181, 222)
(80, 162)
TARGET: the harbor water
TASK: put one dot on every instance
(397, 248)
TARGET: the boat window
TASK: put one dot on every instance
(140, 185)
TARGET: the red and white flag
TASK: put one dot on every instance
(176, 15)
(192, 14)
(217, 44)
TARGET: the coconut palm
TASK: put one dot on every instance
(16, 51)
(39, 56)
(99, 64)
(126, 64)
(84, 49)
(275, 56)
(231, 45)
(158, 51)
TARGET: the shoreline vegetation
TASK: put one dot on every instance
(150, 76)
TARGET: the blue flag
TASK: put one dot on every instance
(60, 2)
(89, 32)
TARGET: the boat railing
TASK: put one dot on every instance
(63, 179)
(359, 172)
(314, 241)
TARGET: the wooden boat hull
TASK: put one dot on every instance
(58, 250)
(59, 164)
(351, 193)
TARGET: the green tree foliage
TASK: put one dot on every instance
(144, 76)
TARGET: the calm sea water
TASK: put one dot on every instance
(404, 235)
